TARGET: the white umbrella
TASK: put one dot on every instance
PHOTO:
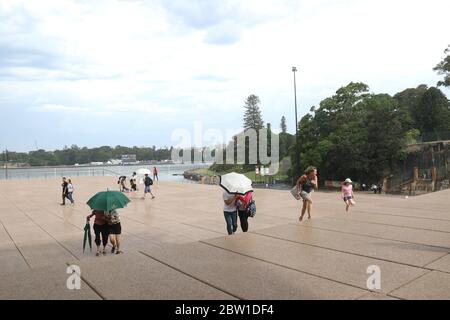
(143, 171)
(236, 183)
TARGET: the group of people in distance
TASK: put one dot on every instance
(67, 191)
(148, 182)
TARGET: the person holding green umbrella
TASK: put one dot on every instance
(100, 230)
(108, 202)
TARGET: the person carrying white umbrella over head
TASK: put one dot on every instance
(235, 185)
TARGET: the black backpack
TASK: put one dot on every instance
(148, 181)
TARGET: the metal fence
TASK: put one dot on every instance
(25, 174)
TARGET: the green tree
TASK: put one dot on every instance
(432, 114)
(443, 68)
(408, 102)
(352, 134)
(252, 116)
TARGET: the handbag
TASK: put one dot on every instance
(251, 208)
(294, 193)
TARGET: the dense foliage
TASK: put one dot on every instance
(362, 135)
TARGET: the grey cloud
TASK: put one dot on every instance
(223, 34)
(200, 14)
(223, 21)
(16, 56)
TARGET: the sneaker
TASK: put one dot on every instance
(97, 254)
(119, 252)
(113, 249)
(104, 252)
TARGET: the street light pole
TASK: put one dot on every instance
(297, 149)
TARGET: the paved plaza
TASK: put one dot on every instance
(176, 246)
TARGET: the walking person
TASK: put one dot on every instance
(65, 191)
(155, 174)
(305, 186)
(347, 193)
(123, 187)
(147, 183)
(100, 230)
(242, 203)
(114, 230)
(70, 190)
(230, 211)
(133, 182)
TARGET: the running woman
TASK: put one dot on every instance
(347, 193)
(305, 186)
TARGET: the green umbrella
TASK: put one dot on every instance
(108, 201)
(87, 236)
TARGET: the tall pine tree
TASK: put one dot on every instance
(252, 116)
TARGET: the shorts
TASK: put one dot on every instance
(147, 189)
(305, 195)
(348, 198)
(115, 228)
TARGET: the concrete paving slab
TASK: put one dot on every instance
(42, 284)
(389, 250)
(330, 264)
(11, 260)
(442, 264)
(249, 278)
(44, 253)
(136, 276)
(434, 285)
(400, 221)
(425, 237)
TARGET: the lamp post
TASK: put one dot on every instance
(297, 149)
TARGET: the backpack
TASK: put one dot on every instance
(148, 181)
(251, 208)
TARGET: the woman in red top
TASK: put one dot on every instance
(100, 228)
(242, 204)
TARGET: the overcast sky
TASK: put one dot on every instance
(132, 72)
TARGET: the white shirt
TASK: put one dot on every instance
(231, 207)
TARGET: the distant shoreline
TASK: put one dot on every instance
(102, 165)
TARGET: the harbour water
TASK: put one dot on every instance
(166, 172)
